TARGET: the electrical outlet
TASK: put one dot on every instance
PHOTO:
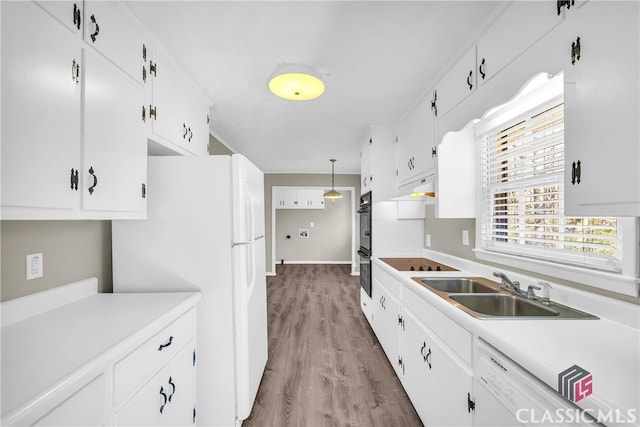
(34, 266)
(427, 240)
(465, 237)
(312, 224)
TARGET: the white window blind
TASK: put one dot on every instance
(522, 210)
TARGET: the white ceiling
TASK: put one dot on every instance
(377, 59)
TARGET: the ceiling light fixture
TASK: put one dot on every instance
(296, 82)
(332, 194)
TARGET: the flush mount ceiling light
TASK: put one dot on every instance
(332, 194)
(296, 82)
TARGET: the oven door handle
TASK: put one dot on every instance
(364, 210)
(363, 254)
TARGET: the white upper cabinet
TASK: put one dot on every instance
(377, 173)
(415, 147)
(115, 147)
(41, 90)
(67, 12)
(73, 142)
(457, 84)
(310, 198)
(109, 30)
(456, 174)
(518, 27)
(179, 112)
(602, 105)
(298, 198)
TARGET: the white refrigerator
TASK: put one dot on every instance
(205, 231)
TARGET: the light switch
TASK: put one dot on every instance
(312, 224)
(465, 237)
(427, 240)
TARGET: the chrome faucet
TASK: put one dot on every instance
(514, 286)
(506, 283)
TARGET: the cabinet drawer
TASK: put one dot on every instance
(168, 398)
(146, 360)
(387, 280)
(457, 339)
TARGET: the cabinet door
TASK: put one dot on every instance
(386, 325)
(67, 12)
(414, 143)
(168, 399)
(170, 103)
(457, 84)
(111, 32)
(437, 384)
(287, 198)
(365, 164)
(310, 198)
(197, 112)
(497, 47)
(41, 89)
(601, 112)
(115, 146)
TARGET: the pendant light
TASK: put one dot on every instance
(296, 82)
(332, 194)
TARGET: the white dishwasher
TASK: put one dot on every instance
(507, 395)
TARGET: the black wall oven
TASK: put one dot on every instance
(365, 242)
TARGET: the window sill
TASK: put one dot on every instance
(598, 279)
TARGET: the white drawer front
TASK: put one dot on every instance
(142, 363)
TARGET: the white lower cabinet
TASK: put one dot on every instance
(385, 324)
(126, 359)
(168, 398)
(437, 383)
(86, 407)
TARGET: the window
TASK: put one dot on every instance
(522, 164)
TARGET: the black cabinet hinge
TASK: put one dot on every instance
(144, 53)
(434, 151)
(471, 405)
(575, 51)
(434, 103)
(370, 141)
(144, 190)
(153, 68)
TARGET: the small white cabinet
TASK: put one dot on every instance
(297, 198)
(377, 172)
(457, 84)
(415, 148)
(518, 27)
(109, 30)
(68, 12)
(602, 104)
(178, 111)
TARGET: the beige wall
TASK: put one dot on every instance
(302, 180)
(328, 240)
(446, 236)
(72, 250)
(217, 148)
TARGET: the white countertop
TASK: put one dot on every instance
(609, 350)
(78, 337)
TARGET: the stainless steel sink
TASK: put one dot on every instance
(459, 285)
(502, 305)
(507, 305)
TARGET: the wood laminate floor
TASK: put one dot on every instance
(325, 367)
